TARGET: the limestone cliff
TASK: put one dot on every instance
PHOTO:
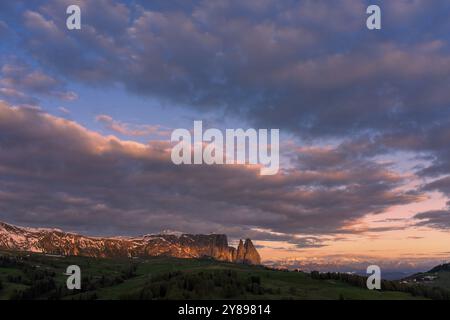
(247, 253)
(53, 241)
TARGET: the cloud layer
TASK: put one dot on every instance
(104, 184)
(306, 66)
(310, 68)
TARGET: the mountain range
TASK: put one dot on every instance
(58, 242)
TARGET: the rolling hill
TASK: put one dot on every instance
(40, 276)
(438, 276)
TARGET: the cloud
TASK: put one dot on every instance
(438, 219)
(299, 241)
(64, 110)
(278, 64)
(308, 67)
(408, 264)
(127, 129)
(14, 95)
(54, 171)
(19, 82)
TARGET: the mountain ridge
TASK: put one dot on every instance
(56, 241)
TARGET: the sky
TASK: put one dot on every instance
(86, 117)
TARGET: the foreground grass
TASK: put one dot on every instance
(168, 278)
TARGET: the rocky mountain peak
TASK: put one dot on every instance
(247, 253)
(53, 241)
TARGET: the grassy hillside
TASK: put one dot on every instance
(35, 276)
(439, 277)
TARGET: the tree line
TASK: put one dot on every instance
(434, 293)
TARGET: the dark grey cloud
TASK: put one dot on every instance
(438, 219)
(309, 67)
(306, 66)
(442, 185)
(299, 241)
(56, 172)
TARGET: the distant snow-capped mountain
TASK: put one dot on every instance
(55, 241)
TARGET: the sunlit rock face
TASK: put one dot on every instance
(247, 253)
(54, 241)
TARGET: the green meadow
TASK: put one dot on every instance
(37, 276)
